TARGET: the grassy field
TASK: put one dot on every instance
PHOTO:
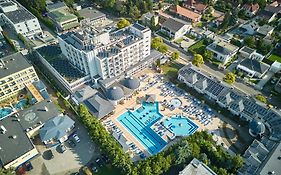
(274, 57)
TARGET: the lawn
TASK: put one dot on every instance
(274, 57)
(108, 170)
(198, 47)
(171, 70)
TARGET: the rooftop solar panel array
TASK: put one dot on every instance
(248, 108)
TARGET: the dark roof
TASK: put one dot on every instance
(56, 128)
(12, 64)
(139, 27)
(99, 106)
(114, 93)
(255, 65)
(90, 13)
(256, 127)
(266, 14)
(19, 15)
(150, 98)
(37, 114)
(273, 163)
(173, 25)
(273, 9)
(131, 83)
(14, 143)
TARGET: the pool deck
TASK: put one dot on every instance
(131, 103)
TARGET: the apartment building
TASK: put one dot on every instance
(104, 55)
(15, 74)
(19, 19)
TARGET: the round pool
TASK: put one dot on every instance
(5, 112)
(176, 102)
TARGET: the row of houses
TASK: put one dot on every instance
(237, 103)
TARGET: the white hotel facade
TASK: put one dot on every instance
(103, 54)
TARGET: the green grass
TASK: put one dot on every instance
(274, 57)
(171, 70)
(198, 47)
(108, 170)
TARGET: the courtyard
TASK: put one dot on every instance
(174, 103)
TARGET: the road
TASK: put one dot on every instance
(186, 58)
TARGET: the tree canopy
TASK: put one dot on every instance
(175, 55)
(229, 78)
(198, 60)
(123, 23)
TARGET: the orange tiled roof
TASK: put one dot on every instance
(200, 7)
(251, 7)
(187, 13)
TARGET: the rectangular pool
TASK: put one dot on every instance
(138, 123)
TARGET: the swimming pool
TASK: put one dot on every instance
(138, 123)
(180, 125)
(5, 112)
(21, 104)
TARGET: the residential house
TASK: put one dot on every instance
(150, 19)
(59, 13)
(175, 28)
(247, 52)
(270, 11)
(250, 27)
(223, 51)
(265, 30)
(91, 16)
(196, 167)
(185, 14)
(277, 86)
(195, 6)
(251, 9)
(56, 130)
(253, 68)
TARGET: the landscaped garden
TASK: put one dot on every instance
(274, 57)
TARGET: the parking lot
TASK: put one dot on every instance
(71, 160)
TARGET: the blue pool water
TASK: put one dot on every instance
(21, 104)
(4, 112)
(181, 126)
(138, 122)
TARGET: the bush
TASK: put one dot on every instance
(122, 23)
(229, 78)
(261, 98)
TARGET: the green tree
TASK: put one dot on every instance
(237, 162)
(250, 41)
(163, 48)
(123, 23)
(198, 60)
(156, 42)
(9, 171)
(261, 98)
(175, 55)
(208, 55)
(229, 78)
(134, 12)
(183, 153)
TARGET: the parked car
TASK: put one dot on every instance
(61, 148)
(77, 139)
